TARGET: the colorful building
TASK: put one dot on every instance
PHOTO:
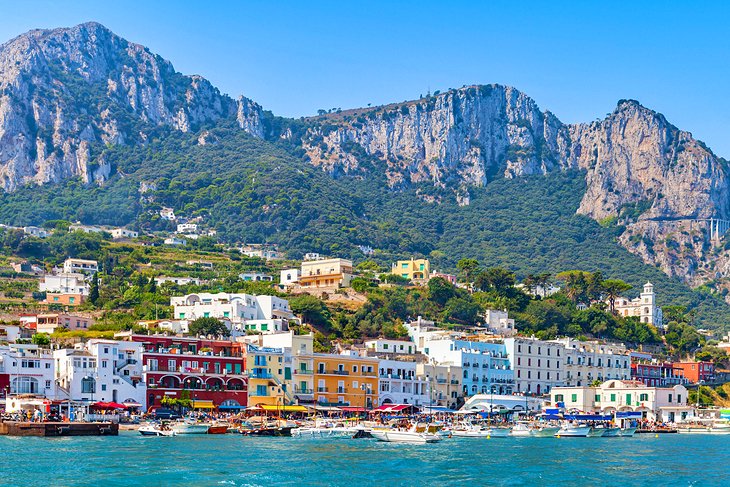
(413, 270)
(697, 372)
(269, 376)
(658, 374)
(212, 373)
(327, 273)
(345, 381)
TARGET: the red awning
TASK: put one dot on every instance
(352, 409)
(108, 405)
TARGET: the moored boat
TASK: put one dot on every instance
(410, 436)
(155, 430)
(574, 430)
(186, 428)
(628, 432)
(218, 429)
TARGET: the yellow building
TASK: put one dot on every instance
(269, 377)
(330, 273)
(413, 270)
(345, 380)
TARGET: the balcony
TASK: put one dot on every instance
(339, 372)
(322, 389)
(299, 390)
(454, 382)
(260, 375)
(441, 381)
(304, 372)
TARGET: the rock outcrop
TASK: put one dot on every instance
(65, 93)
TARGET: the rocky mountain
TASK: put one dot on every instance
(65, 93)
(641, 172)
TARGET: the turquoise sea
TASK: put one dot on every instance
(235, 460)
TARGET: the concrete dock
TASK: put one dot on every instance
(24, 428)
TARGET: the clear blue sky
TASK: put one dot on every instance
(574, 58)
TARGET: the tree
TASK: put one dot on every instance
(41, 339)
(208, 326)
(94, 289)
(496, 279)
(311, 310)
(467, 269)
(440, 290)
(613, 288)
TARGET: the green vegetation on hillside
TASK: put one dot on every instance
(255, 191)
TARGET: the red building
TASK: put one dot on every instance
(697, 372)
(658, 374)
(212, 371)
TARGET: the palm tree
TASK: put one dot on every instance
(613, 288)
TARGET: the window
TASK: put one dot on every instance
(574, 397)
(88, 385)
(597, 398)
(559, 398)
(104, 364)
(24, 385)
(103, 387)
(643, 397)
(669, 399)
(628, 399)
(613, 397)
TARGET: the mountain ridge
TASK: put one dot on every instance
(68, 95)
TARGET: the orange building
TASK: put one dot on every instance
(697, 372)
(64, 299)
(345, 381)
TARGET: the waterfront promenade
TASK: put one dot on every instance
(130, 460)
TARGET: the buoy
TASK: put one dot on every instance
(488, 436)
(656, 436)
(557, 436)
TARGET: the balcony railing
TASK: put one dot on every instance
(260, 375)
(304, 372)
(322, 389)
(299, 390)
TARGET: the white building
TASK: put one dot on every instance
(35, 232)
(398, 383)
(187, 228)
(30, 369)
(263, 314)
(288, 277)
(586, 362)
(124, 233)
(80, 266)
(383, 345)
(499, 322)
(168, 214)
(538, 365)
(85, 228)
(64, 283)
(179, 281)
(101, 370)
(175, 241)
(668, 404)
(644, 307)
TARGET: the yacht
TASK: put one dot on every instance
(189, 428)
(706, 427)
(155, 430)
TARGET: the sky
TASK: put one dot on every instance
(576, 59)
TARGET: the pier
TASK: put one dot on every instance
(24, 428)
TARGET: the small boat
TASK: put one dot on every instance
(470, 433)
(715, 427)
(524, 429)
(334, 432)
(574, 430)
(410, 436)
(218, 429)
(153, 430)
(611, 432)
(268, 431)
(187, 428)
(497, 432)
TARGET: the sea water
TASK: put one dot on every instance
(222, 460)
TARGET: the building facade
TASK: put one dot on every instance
(345, 380)
(414, 269)
(654, 403)
(697, 372)
(657, 374)
(538, 365)
(586, 362)
(80, 266)
(49, 322)
(644, 307)
(443, 382)
(212, 373)
(326, 273)
(28, 369)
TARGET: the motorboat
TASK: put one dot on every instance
(320, 432)
(497, 432)
(470, 433)
(711, 427)
(597, 431)
(155, 430)
(218, 429)
(574, 430)
(189, 428)
(268, 431)
(525, 429)
(414, 435)
(611, 431)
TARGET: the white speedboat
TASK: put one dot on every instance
(315, 432)
(497, 432)
(415, 435)
(153, 430)
(716, 427)
(470, 433)
(523, 429)
(185, 428)
(574, 430)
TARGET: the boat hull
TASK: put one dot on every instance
(282, 431)
(574, 431)
(218, 429)
(628, 432)
(404, 437)
(190, 429)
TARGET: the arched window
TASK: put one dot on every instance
(88, 385)
(24, 385)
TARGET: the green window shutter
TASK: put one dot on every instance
(238, 368)
(574, 397)
(628, 399)
(287, 373)
(613, 397)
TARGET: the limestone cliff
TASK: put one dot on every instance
(643, 173)
(65, 93)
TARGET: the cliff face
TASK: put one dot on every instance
(66, 92)
(462, 137)
(643, 173)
